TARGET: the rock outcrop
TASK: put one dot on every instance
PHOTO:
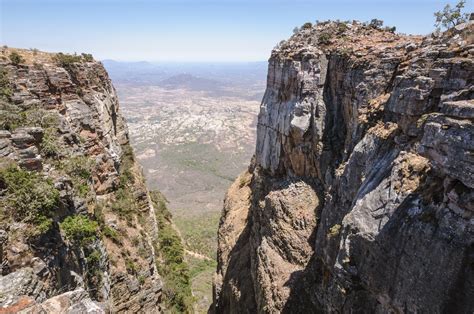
(360, 195)
(77, 226)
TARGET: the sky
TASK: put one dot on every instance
(190, 30)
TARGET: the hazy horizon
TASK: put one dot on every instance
(177, 31)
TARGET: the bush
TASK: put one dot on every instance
(87, 57)
(28, 197)
(307, 25)
(451, 17)
(341, 28)
(66, 60)
(375, 23)
(324, 38)
(5, 89)
(49, 145)
(79, 168)
(80, 229)
(112, 234)
(15, 58)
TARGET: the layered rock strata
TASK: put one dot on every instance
(360, 195)
(92, 249)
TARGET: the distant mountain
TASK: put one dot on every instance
(193, 75)
(190, 82)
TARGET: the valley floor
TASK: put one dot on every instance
(192, 161)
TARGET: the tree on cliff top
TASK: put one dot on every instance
(451, 17)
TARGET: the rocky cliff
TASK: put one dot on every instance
(360, 196)
(77, 225)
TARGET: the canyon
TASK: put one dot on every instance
(358, 197)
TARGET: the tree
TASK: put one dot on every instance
(375, 23)
(451, 17)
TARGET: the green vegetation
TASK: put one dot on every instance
(28, 197)
(450, 17)
(341, 28)
(87, 57)
(66, 60)
(174, 269)
(13, 116)
(199, 232)
(125, 204)
(49, 143)
(307, 25)
(79, 168)
(201, 273)
(15, 58)
(80, 229)
(325, 38)
(5, 89)
(130, 266)
(375, 23)
(112, 234)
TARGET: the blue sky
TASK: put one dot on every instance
(187, 30)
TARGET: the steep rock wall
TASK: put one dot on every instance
(61, 125)
(360, 196)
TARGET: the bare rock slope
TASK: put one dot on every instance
(360, 195)
(77, 226)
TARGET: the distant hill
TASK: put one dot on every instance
(191, 82)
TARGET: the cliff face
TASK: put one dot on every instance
(360, 196)
(77, 227)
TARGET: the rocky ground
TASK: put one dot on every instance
(360, 197)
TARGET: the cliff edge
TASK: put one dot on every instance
(78, 228)
(360, 195)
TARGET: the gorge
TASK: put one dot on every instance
(359, 197)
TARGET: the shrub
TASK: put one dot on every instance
(87, 57)
(66, 60)
(112, 234)
(5, 89)
(130, 266)
(451, 17)
(325, 38)
(79, 168)
(125, 204)
(15, 58)
(49, 145)
(296, 30)
(28, 197)
(35, 51)
(307, 25)
(375, 23)
(80, 229)
(341, 28)
(390, 29)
